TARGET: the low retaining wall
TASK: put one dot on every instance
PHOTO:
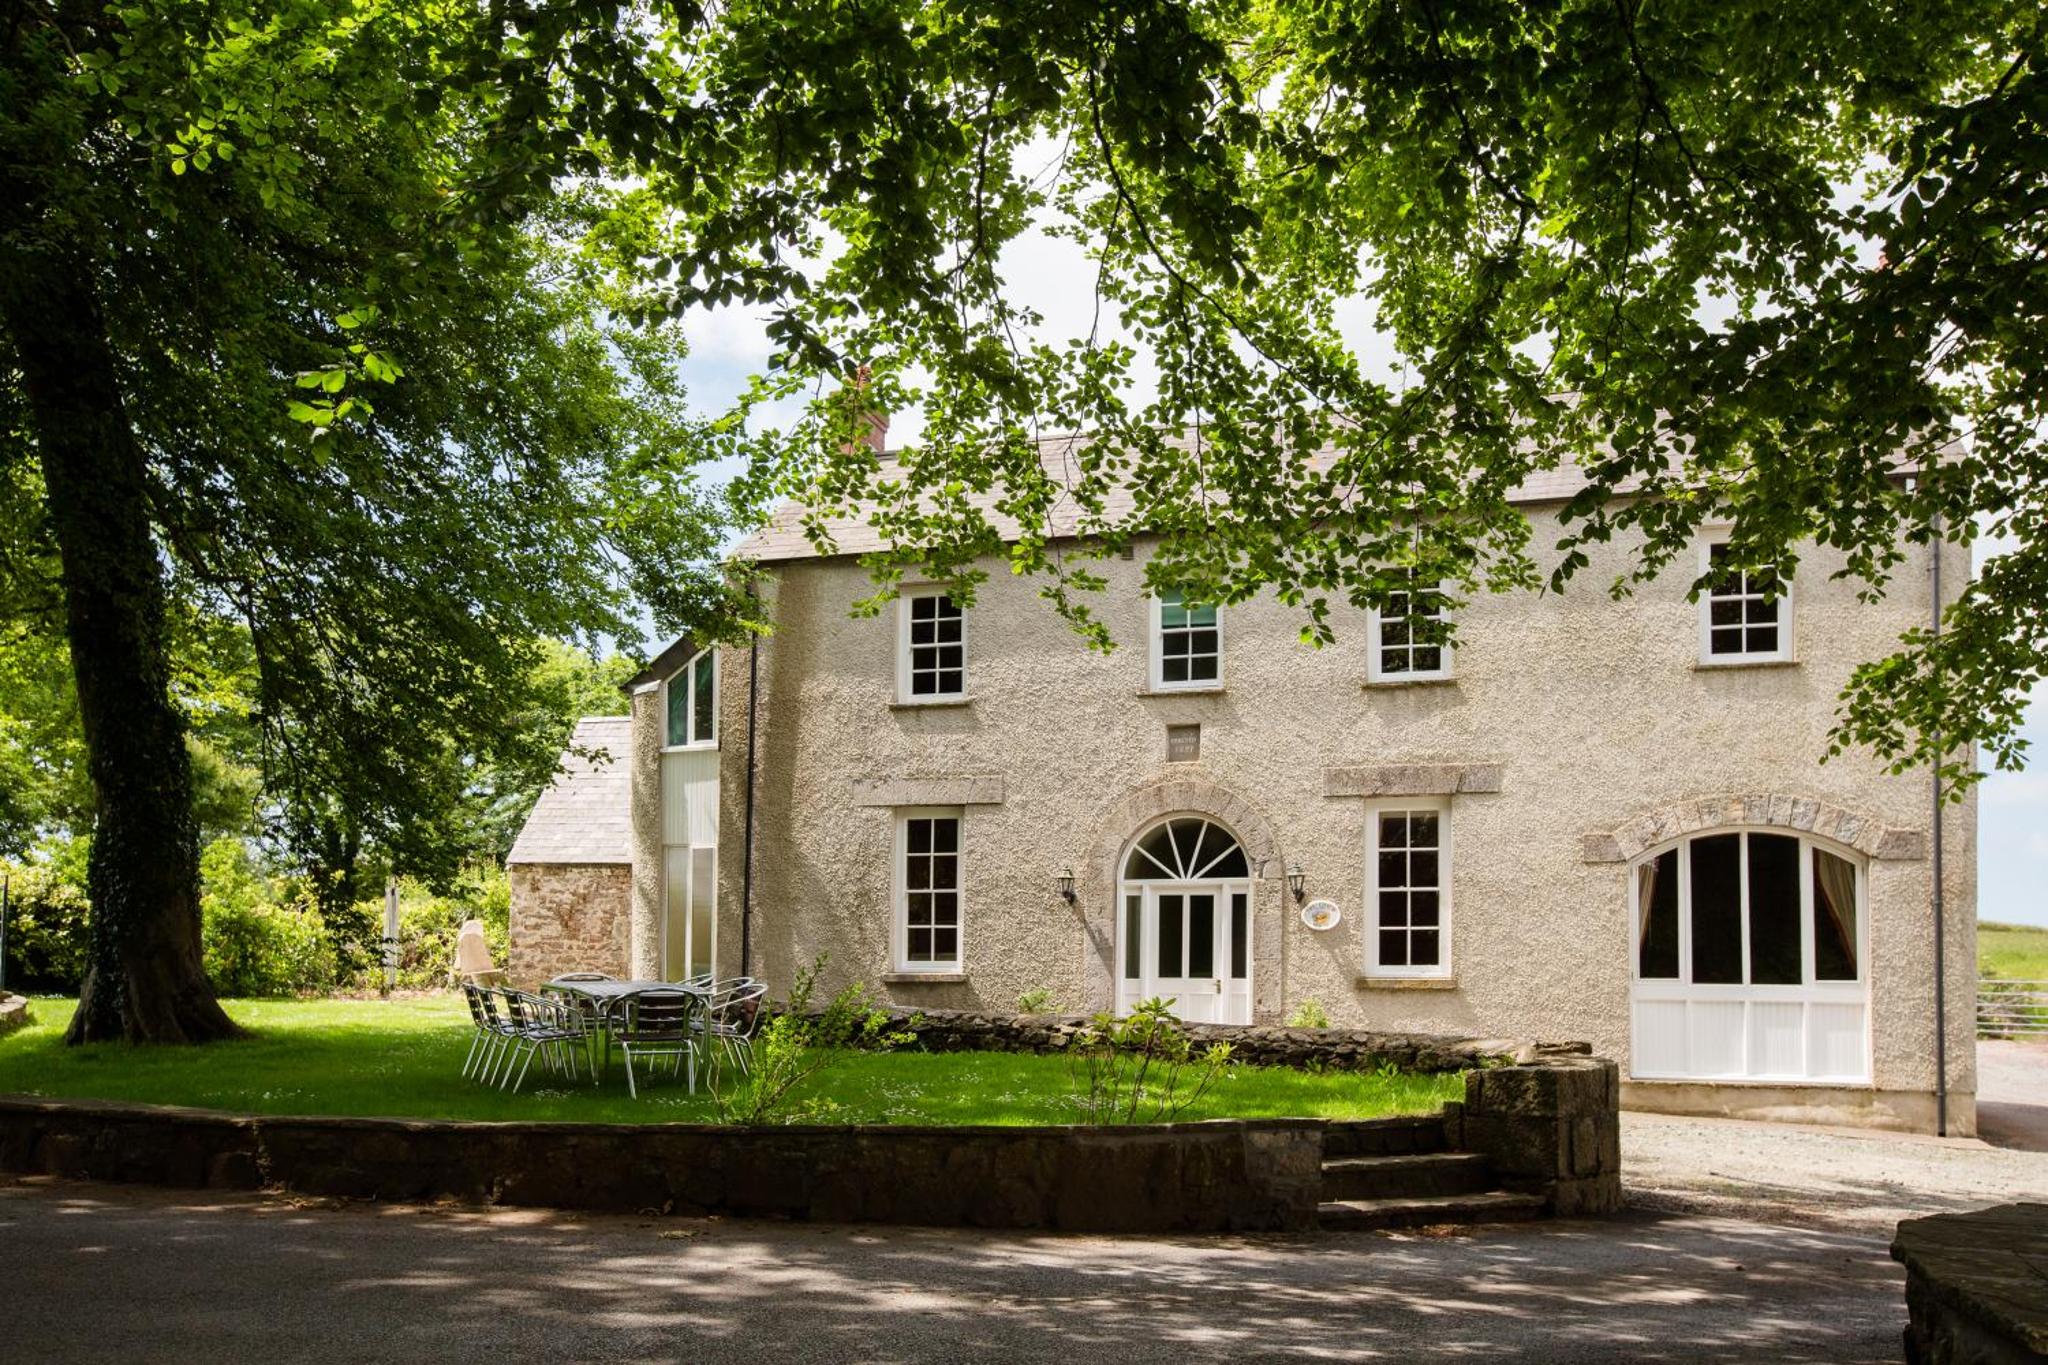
(1213, 1176)
(1552, 1129)
(1335, 1049)
(1976, 1293)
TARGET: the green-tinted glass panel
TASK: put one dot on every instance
(704, 694)
(679, 709)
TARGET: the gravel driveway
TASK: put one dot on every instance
(1814, 1177)
(1849, 1178)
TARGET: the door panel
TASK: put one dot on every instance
(1191, 941)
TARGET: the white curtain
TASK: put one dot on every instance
(1646, 896)
(1834, 890)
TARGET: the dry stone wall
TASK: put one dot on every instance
(1336, 1049)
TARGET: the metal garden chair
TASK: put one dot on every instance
(543, 1027)
(731, 1018)
(483, 1020)
(660, 1022)
(499, 1033)
(593, 1014)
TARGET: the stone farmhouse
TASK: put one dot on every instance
(1593, 820)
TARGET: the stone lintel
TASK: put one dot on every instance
(927, 791)
(1412, 779)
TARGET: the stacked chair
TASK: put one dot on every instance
(513, 1027)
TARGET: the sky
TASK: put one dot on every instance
(729, 346)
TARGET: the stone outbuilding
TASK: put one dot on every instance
(571, 868)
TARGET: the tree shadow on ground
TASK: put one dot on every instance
(106, 1271)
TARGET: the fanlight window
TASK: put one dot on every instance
(1186, 850)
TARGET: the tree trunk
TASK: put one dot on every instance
(145, 980)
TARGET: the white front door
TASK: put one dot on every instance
(1184, 921)
(1192, 946)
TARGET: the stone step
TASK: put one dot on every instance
(1425, 1173)
(1383, 1137)
(1494, 1206)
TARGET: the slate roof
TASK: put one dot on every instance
(783, 537)
(586, 816)
(662, 666)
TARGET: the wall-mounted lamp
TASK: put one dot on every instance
(1064, 883)
(1297, 880)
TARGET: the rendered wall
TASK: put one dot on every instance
(1589, 716)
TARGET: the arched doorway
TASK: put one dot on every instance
(1185, 887)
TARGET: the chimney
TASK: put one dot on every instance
(874, 425)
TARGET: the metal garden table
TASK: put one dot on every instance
(606, 995)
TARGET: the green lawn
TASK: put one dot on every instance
(404, 1059)
(2013, 952)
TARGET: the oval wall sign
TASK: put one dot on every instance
(1320, 914)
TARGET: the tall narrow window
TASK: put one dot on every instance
(932, 660)
(693, 703)
(928, 891)
(1407, 638)
(1407, 862)
(1745, 614)
(1187, 646)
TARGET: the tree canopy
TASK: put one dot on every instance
(256, 369)
(1780, 267)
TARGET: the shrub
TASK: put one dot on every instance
(1037, 1000)
(47, 916)
(257, 941)
(1142, 1068)
(429, 924)
(794, 1046)
(1309, 1014)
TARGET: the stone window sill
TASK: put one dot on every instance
(924, 979)
(1215, 691)
(1724, 665)
(1407, 983)
(931, 704)
(1389, 684)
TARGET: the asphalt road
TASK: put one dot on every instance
(98, 1272)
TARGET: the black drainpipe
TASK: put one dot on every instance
(747, 846)
(1940, 936)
